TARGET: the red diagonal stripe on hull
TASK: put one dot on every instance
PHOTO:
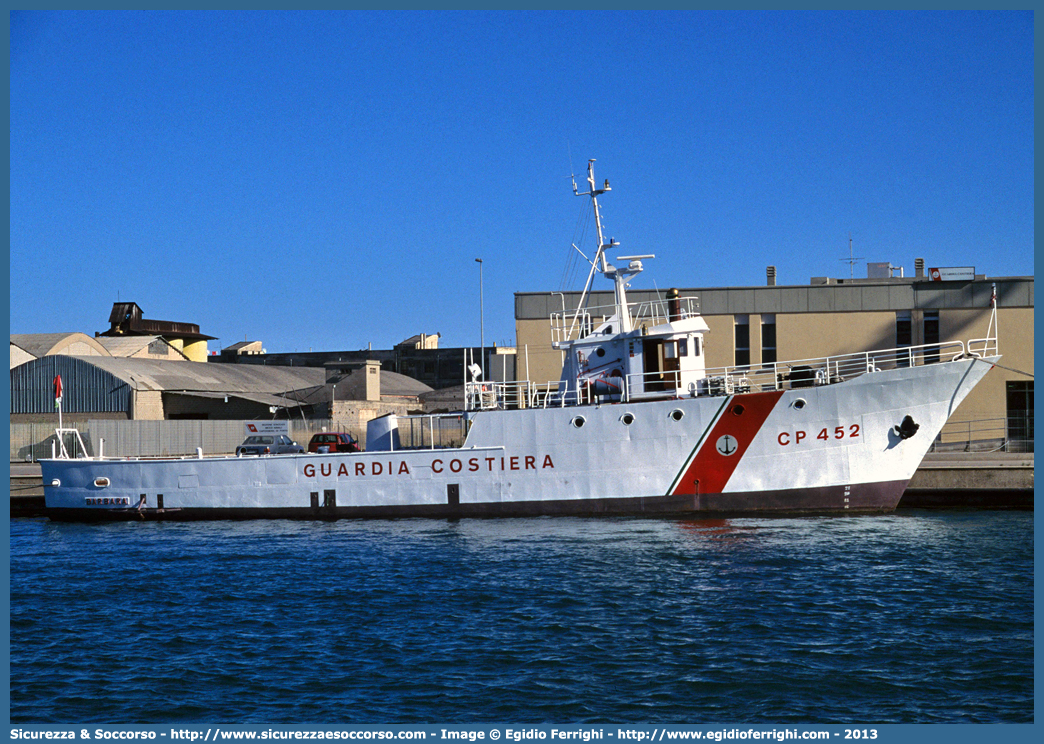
(742, 420)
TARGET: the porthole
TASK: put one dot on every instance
(579, 421)
(677, 414)
(627, 419)
(600, 352)
(798, 404)
(737, 410)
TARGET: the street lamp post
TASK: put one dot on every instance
(482, 324)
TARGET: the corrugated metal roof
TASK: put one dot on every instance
(42, 344)
(392, 383)
(176, 376)
(125, 346)
(262, 398)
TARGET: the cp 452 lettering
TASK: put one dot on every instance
(822, 434)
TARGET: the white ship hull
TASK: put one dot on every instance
(821, 449)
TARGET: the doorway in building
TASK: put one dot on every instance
(1020, 416)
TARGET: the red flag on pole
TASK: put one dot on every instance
(57, 389)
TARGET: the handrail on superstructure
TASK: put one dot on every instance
(570, 328)
(567, 326)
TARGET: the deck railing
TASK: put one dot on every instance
(729, 380)
(797, 373)
(484, 396)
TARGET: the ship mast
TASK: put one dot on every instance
(594, 193)
(620, 277)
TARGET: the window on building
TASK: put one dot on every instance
(742, 340)
(931, 336)
(1020, 416)
(903, 336)
(158, 347)
(768, 339)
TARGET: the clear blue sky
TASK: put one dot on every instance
(324, 180)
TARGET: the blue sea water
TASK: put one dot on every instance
(916, 617)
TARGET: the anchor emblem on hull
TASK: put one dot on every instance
(727, 445)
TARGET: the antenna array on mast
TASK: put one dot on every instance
(620, 277)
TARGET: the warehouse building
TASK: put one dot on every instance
(149, 408)
(99, 387)
(143, 389)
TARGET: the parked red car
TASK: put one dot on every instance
(333, 441)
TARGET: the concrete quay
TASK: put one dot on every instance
(993, 480)
(27, 499)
